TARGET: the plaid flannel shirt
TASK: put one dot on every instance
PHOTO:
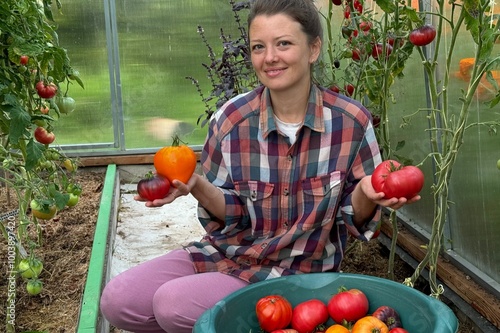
(288, 207)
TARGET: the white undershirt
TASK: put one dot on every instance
(289, 129)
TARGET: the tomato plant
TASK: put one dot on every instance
(44, 136)
(423, 35)
(397, 181)
(153, 187)
(388, 315)
(348, 305)
(274, 312)
(369, 324)
(32, 67)
(34, 287)
(177, 161)
(30, 268)
(46, 90)
(308, 315)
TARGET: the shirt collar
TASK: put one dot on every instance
(313, 118)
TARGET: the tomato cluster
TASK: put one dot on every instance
(349, 309)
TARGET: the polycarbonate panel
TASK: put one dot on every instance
(159, 47)
(81, 30)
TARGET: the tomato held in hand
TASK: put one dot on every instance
(388, 315)
(348, 305)
(175, 162)
(153, 187)
(397, 181)
(423, 35)
(274, 312)
(369, 324)
(46, 90)
(308, 315)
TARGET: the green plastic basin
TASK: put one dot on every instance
(419, 313)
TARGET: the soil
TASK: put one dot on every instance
(66, 253)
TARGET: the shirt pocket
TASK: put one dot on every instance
(320, 198)
(257, 196)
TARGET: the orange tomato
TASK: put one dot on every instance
(370, 324)
(336, 328)
(175, 162)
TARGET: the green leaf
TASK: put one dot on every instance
(20, 120)
(34, 152)
(387, 6)
(472, 25)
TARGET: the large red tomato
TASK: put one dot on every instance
(397, 181)
(369, 324)
(274, 312)
(46, 90)
(348, 305)
(308, 315)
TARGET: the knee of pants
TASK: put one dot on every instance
(175, 312)
(117, 306)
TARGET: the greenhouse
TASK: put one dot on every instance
(132, 129)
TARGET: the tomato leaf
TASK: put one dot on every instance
(386, 5)
(34, 152)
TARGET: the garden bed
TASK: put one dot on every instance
(68, 241)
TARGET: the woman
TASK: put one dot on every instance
(286, 180)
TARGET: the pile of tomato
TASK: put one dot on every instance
(348, 309)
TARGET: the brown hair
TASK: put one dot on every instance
(302, 11)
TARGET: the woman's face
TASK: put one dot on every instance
(281, 53)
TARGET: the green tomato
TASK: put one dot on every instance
(498, 164)
(76, 189)
(66, 104)
(30, 268)
(34, 287)
(42, 211)
(73, 200)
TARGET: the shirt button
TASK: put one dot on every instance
(263, 245)
(289, 157)
(286, 192)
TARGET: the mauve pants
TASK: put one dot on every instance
(164, 295)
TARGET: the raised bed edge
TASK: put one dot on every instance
(88, 321)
